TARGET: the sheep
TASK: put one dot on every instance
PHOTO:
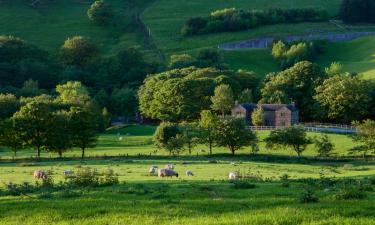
(167, 173)
(233, 176)
(40, 174)
(169, 167)
(189, 173)
(152, 170)
(68, 172)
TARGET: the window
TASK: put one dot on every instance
(282, 114)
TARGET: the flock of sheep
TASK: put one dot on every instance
(167, 171)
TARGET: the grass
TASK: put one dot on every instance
(48, 26)
(206, 198)
(166, 17)
(133, 140)
(356, 56)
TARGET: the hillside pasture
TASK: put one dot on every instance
(49, 25)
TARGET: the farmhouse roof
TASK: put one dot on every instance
(268, 107)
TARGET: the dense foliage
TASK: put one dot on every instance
(182, 94)
(100, 12)
(232, 19)
(358, 11)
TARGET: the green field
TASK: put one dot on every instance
(49, 25)
(206, 198)
(134, 140)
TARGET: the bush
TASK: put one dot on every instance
(88, 177)
(243, 184)
(308, 196)
(100, 12)
(109, 178)
(350, 189)
(285, 180)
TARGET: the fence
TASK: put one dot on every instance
(315, 127)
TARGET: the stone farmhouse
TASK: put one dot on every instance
(278, 115)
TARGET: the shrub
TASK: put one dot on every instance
(243, 184)
(284, 180)
(109, 178)
(100, 12)
(350, 189)
(308, 196)
(85, 176)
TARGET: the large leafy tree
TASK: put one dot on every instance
(20, 61)
(9, 104)
(293, 137)
(85, 123)
(10, 136)
(72, 93)
(123, 102)
(296, 84)
(169, 136)
(100, 12)
(365, 136)
(223, 99)
(346, 97)
(78, 51)
(232, 133)
(34, 123)
(60, 138)
(181, 94)
(207, 125)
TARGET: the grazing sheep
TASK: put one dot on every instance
(167, 173)
(68, 172)
(169, 167)
(189, 173)
(152, 170)
(40, 174)
(233, 176)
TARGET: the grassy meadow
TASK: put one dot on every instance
(206, 198)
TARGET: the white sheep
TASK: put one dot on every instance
(189, 173)
(233, 176)
(40, 174)
(68, 172)
(152, 170)
(169, 166)
(167, 173)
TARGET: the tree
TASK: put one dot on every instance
(210, 57)
(30, 89)
(78, 51)
(189, 134)
(222, 100)
(60, 138)
(334, 69)
(180, 61)
(246, 96)
(257, 117)
(73, 93)
(232, 133)
(123, 102)
(9, 104)
(34, 123)
(85, 124)
(207, 124)
(294, 137)
(341, 95)
(168, 136)
(366, 136)
(298, 84)
(100, 12)
(10, 137)
(324, 145)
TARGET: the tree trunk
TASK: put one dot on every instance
(38, 152)
(60, 154)
(15, 153)
(210, 148)
(232, 150)
(83, 153)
